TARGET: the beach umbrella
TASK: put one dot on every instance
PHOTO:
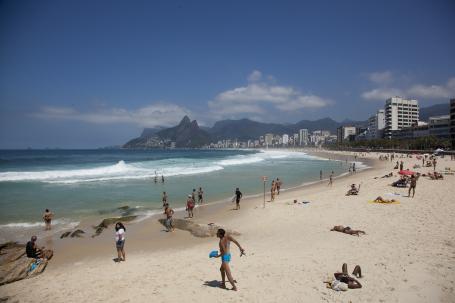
(406, 172)
(438, 150)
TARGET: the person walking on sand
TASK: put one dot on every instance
(434, 164)
(320, 175)
(47, 217)
(330, 180)
(169, 212)
(190, 206)
(401, 165)
(120, 241)
(412, 186)
(278, 186)
(225, 254)
(200, 198)
(238, 196)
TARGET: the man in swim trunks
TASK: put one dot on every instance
(278, 185)
(200, 192)
(47, 217)
(238, 196)
(169, 212)
(225, 254)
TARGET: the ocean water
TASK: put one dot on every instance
(79, 184)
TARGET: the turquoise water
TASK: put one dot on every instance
(75, 184)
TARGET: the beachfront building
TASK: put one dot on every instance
(285, 139)
(400, 113)
(376, 124)
(268, 140)
(345, 133)
(303, 135)
(439, 126)
(452, 122)
(419, 129)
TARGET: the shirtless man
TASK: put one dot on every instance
(169, 212)
(47, 217)
(225, 254)
(200, 198)
(278, 185)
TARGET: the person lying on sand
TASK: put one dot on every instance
(386, 176)
(348, 230)
(382, 200)
(353, 191)
(344, 277)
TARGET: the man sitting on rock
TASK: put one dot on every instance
(31, 249)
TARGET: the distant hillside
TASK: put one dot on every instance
(186, 134)
(434, 110)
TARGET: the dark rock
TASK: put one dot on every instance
(65, 234)
(123, 207)
(77, 233)
(198, 230)
(108, 221)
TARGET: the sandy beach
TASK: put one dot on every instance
(407, 254)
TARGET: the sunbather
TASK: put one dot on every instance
(382, 200)
(345, 278)
(347, 230)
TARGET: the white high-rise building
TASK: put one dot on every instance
(400, 113)
(376, 124)
(285, 139)
(303, 135)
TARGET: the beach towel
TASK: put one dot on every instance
(373, 201)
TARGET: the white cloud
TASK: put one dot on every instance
(253, 98)
(382, 93)
(159, 114)
(255, 76)
(432, 91)
(381, 77)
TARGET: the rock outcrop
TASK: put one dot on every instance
(14, 264)
(197, 229)
(108, 221)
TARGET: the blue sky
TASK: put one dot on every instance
(78, 74)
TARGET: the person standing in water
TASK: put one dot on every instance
(238, 196)
(225, 254)
(120, 241)
(47, 217)
(278, 186)
(162, 178)
(190, 206)
(200, 194)
(164, 199)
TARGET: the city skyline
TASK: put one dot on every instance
(93, 74)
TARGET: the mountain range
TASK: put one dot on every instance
(188, 134)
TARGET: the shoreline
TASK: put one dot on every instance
(66, 250)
